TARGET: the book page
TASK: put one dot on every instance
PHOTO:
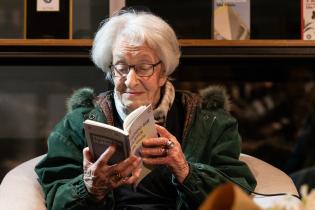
(132, 117)
(142, 127)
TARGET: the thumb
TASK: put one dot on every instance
(87, 157)
(163, 132)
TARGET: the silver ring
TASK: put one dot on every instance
(169, 144)
(118, 175)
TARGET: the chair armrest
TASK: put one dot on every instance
(269, 178)
(20, 190)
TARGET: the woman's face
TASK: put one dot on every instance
(132, 90)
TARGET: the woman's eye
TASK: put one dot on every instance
(121, 67)
(144, 67)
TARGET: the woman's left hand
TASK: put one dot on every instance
(165, 150)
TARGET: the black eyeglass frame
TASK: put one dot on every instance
(121, 74)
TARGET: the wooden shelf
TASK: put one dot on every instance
(245, 43)
(182, 42)
(47, 49)
(46, 42)
(248, 48)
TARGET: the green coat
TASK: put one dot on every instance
(211, 144)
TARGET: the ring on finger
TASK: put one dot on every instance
(118, 175)
(169, 144)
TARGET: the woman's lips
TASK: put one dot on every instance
(133, 93)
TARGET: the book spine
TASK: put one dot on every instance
(308, 19)
(302, 19)
(231, 19)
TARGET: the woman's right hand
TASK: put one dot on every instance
(100, 178)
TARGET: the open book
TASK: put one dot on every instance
(138, 125)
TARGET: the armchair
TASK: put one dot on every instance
(20, 190)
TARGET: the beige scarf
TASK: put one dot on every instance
(160, 112)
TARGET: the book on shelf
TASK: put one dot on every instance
(308, 19)
(47, 19)
(231, 19)
(138, 125)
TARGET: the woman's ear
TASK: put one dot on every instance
(163, 78)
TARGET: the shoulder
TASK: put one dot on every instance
(83, 97)
(212, 106)
(84, 104)
(217, 101)
(86, 99)
(81, 105)
(212, 98)
(215, 97)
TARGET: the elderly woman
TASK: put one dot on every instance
(139, 51)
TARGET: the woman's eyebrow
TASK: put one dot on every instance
(145, 57)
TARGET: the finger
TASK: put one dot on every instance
(156, 161)
(131, 167)
(163, 132)
(105, 156)
(87, 158)
(127, 166)
(155, 142)
(87, 155)
(156, 151)
(135, 176)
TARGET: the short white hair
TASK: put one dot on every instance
(138, 28)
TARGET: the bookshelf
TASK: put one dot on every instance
(41, 49)
(274, 34)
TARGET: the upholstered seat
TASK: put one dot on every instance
(20, 190)
(270, 180)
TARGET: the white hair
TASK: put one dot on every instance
(138, 28)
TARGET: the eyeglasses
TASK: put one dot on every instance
(142, 69)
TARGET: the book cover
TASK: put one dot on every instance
(99, 136)
(231, 19)
(48, 19)
(138, 125)
(308, 19)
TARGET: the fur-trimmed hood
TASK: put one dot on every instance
(83, 97)
(213, 97)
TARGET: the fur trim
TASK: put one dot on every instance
(215, 97)
(83, 97)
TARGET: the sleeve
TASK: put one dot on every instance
(213, 161)
(61, 171)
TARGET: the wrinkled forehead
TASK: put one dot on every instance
(124, 47)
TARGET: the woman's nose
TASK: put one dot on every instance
(131, 78)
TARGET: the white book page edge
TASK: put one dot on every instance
(103, 125)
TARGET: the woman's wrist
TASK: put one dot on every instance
(183, 172)
(99, 193)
